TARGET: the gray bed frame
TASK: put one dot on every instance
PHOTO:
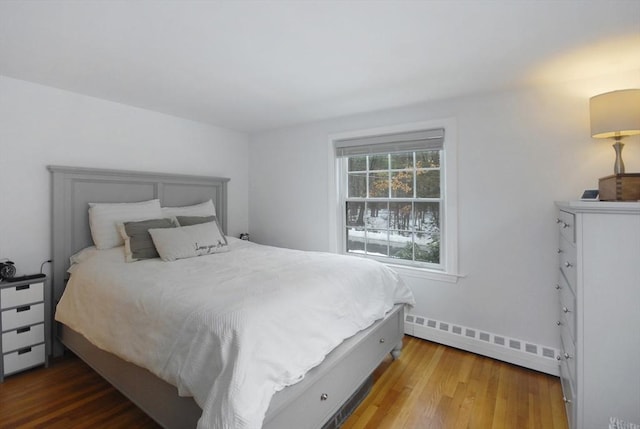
(318, 401)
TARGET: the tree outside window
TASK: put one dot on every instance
(393, 206)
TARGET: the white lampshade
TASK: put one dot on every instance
(615, 114)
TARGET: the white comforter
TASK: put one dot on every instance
(229, 329)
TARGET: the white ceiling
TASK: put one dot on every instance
(253, 65)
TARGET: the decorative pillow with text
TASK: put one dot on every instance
(189, 241)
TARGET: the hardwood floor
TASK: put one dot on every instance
(430, 386)
(434, 386)
(66, 395)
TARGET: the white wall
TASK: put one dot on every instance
(40, 126)
(518, 152)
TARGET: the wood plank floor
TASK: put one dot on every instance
(434, 386)
(430, 386)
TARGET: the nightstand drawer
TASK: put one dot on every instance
(22, 337)
(22, 316)
(23, 359)
(20, 295)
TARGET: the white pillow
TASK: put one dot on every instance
(83, 255)
(189, 241)
(203, 209)
(104, 217)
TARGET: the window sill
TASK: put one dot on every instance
(425, 274)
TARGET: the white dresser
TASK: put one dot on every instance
(599, 311)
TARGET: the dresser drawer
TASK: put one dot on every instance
(22, 316)
(567, 259)
(23, 359)
(568, 392)
(22, 337)
(567, 306)
(19, 295)
(568, 353)
(566, 223)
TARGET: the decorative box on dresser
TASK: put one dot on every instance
(599, 311)
(24, 325)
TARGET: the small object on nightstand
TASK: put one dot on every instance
(7, 269)
(244, 236)
(590, 195)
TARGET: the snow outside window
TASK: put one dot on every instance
(396, 196)
(393, 206)
(391, 188)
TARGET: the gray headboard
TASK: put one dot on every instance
(73, 188)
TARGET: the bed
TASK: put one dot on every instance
(321, 398)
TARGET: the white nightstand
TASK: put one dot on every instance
(24, 327)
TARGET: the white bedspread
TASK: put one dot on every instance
(229, 329)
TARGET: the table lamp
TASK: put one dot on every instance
(616, 115)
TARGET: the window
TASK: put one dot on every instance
(394, 197)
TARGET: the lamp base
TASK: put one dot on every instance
(618, 167)
(620, 187)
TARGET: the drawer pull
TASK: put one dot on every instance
(565, 310)
(565, 225)
(558, 357)
(559, 251)
(568, 264)
(381, 340)
(559, 323)
(25, 308)
(566, 401)
(23, 287)
(558, 287)
(558, 220)
(23, 351)
(567, 355)
(324, 397)
(23, 330)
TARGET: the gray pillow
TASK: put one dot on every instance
(137, 241)
(194, 220)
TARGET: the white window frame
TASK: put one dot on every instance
(448, 270)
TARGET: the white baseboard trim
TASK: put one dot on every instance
(519, 352)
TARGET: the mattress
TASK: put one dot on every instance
(229, 329)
